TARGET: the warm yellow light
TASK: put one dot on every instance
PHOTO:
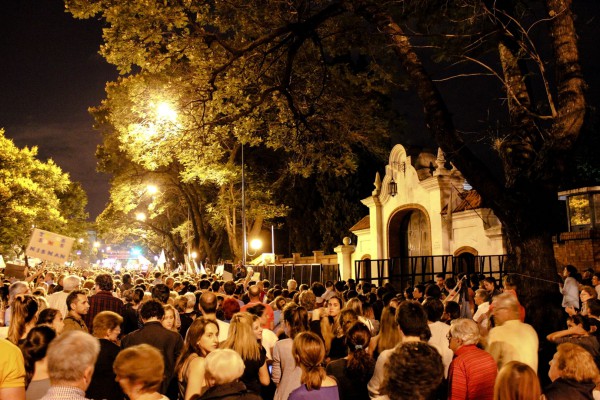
(108, 248)
(164, 111)
(255, 244)
(140, 216)
(194, 254)
(152, 189)
(80, 240)
(96, 244)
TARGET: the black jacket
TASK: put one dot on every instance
(567, 389)
(228, 391)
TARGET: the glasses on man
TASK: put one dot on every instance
(449, 336)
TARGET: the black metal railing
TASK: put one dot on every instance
(301, 273)
(404, 271)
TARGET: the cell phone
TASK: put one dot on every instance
(270, 369)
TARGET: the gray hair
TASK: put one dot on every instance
(18, 287)
(71, 282)
(191, 298)
(466, 330)
(224, 365)
(70, 354)
(507, 300)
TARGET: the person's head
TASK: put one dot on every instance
(334, 306)
(107, 325)
(280, 302)
(573, 362)
(77, 302)
(139, 369)
(170, 282)
(517, 381)
(16, 288)
(596, 279)
(451, 311)
(594, 308)
(202, 337)
(24, 313)
(295, 319)
(104, 282)
(137, 295)
(223, 366)
(433, 291)
(463, 332)
(161, 292)
(229, 287)
(71, 359)
(242, 337)
(569, 270)
(318, 289)
(355, 305)
(191, 299)
(359, 361)
(230, 306)
(414, 371)
(292, 285)
(53, 318)
(481, 296)
(577, 319)
(35, 347)
(208, 303)
(309, 352)
(345, 320)
(587, 293)
(510, 282)
(489, 284)
(126, 278)
(418, 292)
(440, 280)
(308, 300)
(412, 320)
(260, 311)
(152, 309)
(434, 309)
(505, 308)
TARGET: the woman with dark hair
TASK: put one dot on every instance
(34, 349)
(354, 371)
(106, 328)
(131, 316)
(202, 338)
(53, 318)
(578, 332)
(286, 374)
(24, 316)
(570, 287)
(309, 353)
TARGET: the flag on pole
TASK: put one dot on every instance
(162, 260)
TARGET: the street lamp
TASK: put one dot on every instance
(140, 216)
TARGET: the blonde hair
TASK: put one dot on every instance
(517, 381)
(576, 363)
(141, 364)
(24, 310)
(309, 352)
(389, 333)
(241, 337)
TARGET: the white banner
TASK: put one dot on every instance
(49, 246)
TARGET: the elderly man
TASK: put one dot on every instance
(473, 371)
(16, 288)
(254, 295)
(58, 300)
(71, 360)
(511, 339)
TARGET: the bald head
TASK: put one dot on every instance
(208, 303)
(254, 292)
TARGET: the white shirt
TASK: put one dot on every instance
(269, 338)
(438, 339)
(514, 341)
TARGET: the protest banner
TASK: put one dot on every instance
(49, 246)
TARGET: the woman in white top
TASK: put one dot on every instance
(570, 288)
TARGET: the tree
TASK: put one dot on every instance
(286, 73)
(38, 194)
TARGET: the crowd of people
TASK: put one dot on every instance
(97, 335)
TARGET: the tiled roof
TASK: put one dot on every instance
(468, 200)
(364, 223)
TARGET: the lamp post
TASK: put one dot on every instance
(244, 239)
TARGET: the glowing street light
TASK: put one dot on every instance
(140, 216)
(164, 111)
(194, 255)
(256, 244)
(96, 244)
(151, 189)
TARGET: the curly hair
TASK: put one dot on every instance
(413, 372)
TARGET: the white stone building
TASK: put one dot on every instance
(431, 224)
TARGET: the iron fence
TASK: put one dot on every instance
(301, 273)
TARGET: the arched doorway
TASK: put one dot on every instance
(465, 260)
(409, 239)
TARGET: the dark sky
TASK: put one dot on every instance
(50, 73)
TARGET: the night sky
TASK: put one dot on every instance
(51, 73)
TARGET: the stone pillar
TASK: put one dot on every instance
(344, 255)
(317, 256)
(296, 258)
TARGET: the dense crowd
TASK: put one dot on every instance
(97, 335)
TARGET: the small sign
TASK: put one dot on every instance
(49, 246)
